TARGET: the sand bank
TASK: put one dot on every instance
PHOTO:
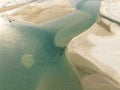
(96, 51)
(111, 9)
(38, 12)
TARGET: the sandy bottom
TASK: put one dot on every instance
(94, 53)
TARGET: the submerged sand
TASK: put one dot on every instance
(94, 54)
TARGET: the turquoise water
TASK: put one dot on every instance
(46, 67)
(71, 25)
(33, 58)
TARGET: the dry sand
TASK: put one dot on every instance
(96, 51)
(38, 12)
(111, 9)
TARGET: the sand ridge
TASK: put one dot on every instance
(38, 12)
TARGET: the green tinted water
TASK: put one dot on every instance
(32, 58)
(29, 60)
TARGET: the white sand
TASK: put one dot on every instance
(37, 12)
(6, 3)
(97, 51)
(94, 52)
(111, 9)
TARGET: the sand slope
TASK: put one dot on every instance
(111, 9)
(96, 51)
(38, 11)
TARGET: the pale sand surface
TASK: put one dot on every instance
(97, 82)
(10, 8)
(97, 51)
(94, 53)
(7, 3)
(38, 12)
(111, 9)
